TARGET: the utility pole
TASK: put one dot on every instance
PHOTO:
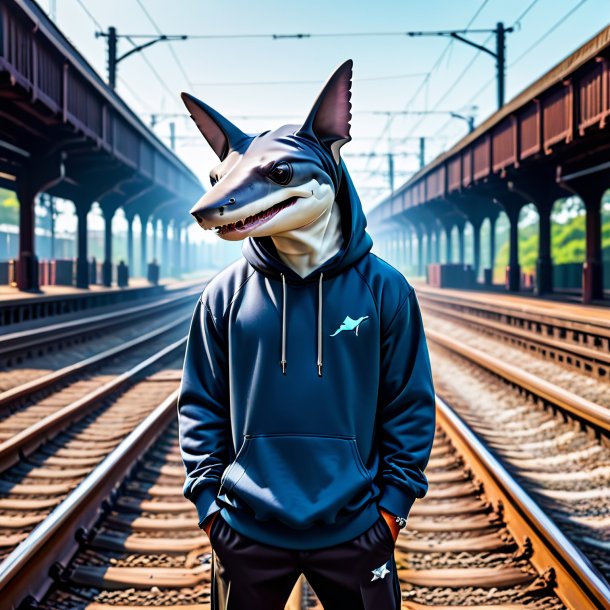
(499, 55)
(114, 59)
(172, 136)
(422, 152)
(390, 157)
(501, 60)
(391, 172)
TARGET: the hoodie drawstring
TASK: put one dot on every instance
(283, 361)
(320, 326)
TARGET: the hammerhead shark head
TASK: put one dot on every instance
(349, 324)
(280, 183)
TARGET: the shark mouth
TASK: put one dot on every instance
(251, 222)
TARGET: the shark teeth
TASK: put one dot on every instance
(248, 223)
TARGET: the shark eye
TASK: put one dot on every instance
(281, 173)
(213, 180)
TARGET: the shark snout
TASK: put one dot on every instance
(208, 212)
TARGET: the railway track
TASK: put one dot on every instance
(56, 429)
(553, 441)
(49, 457)
(48, 402)
(27, 355)
(572, 336)
(126, 538)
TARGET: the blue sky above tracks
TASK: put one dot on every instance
(390, 72)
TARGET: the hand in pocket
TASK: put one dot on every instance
(391, 523)
(207, 527)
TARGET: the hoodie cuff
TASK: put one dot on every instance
(205, 503)
(395, 500)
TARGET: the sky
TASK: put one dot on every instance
(261, 83)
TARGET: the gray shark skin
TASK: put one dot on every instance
(277, 181)
(350, 324)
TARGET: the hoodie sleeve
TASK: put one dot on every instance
(406, 409)
(203, 412)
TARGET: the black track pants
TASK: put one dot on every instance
(359, 574)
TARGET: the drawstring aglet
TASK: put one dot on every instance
(283, 363)
(320, 370)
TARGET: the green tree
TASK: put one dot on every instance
(9, 207)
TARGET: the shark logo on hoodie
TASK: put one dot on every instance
(349, 324)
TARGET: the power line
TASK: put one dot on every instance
(133, 93)
(429, 74)
(163, 84)
(303, 36)
(305, 82)
(527, 51)
(548, 32)
(517, 21)
(169, 44)
(90, 14)
(467, 68)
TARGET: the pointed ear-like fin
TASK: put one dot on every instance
(220, 133)
(329, 117)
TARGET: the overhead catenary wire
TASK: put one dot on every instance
(425, 82)
(491, 80)
(305, 82)
(89, 14)
(163, 84)
(151, 67)
(169, 44)
(524, 54)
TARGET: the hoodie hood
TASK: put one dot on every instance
(261, 253)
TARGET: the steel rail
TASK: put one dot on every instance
(27, 573)
(10, 396)
(20, 341)
(574, 350)
(28, 440)
(572, 322)
(578, 583)
(591, 413)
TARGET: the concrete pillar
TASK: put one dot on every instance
(461, 250)
(27, 262)
(82, 261)
(187, 261)
(177, 258)
(544, 265)
(492, 242)
(420, 252)
(592, 268)
(144, 219)
(590, 189)
(437, 244)
(165, 255)
(514, 270)
(406, 246)
(154, 255)
(448, 244)
(130, 260)
(108, 213)
(476, 245)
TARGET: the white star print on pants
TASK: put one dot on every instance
(380, 572)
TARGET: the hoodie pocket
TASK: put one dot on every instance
(299, 478)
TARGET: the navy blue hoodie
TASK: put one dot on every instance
(307, 403)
